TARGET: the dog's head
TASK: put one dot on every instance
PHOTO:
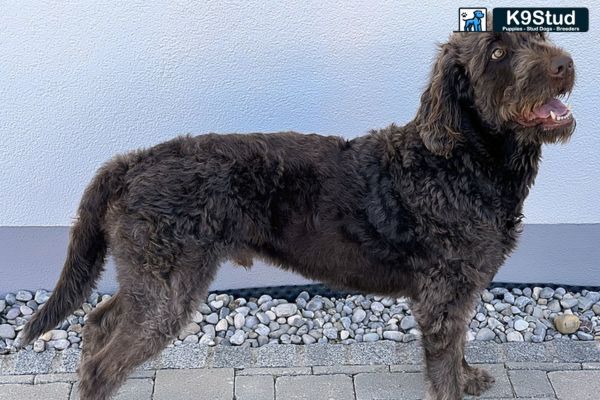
(512, 81)
(478, 14)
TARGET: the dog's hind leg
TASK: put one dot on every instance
(153, 307)
(100, 324)
(442, 309)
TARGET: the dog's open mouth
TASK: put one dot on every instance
(550, 115)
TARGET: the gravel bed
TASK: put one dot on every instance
(529, 314)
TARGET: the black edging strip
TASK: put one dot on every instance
(291, 292)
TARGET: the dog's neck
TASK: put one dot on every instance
(509, 163)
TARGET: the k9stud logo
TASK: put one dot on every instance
(472, 19)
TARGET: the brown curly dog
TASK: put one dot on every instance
(430, 211)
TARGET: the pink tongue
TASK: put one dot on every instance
(553, 105)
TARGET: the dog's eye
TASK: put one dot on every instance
(498, 53)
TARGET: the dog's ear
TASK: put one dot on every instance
(439, 116)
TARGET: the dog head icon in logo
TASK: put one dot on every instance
(473, 20)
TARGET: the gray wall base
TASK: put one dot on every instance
(567, 254)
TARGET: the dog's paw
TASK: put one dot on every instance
(478, 381)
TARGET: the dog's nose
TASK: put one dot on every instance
(560, 66)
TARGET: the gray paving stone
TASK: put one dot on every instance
(184, 356)
(572, 351)
(530, 383)
(389, 386)
(255, 387)
(29, 362)
(2, 358)
(50, 391)
(66, 360)
(280, 355)
(384, 353)
(542, 366)
(502, 388)
(591, 365)
(580, 385)
(528, 352)
(51, 378)
(325, 354)
(132, 389)
(28, 379)
(349, 369)
(275, 371)
(152, 364)
(231, 357)
(407, 353)
(7, 364)
(311, 387)
(191, 384)
(479, 352)
(142, 373)
(406, 368)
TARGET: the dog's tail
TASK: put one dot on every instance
(85, 255)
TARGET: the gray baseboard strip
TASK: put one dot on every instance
(561, 254)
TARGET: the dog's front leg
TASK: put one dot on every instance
(442, 311)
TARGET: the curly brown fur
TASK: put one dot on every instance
(430, 210)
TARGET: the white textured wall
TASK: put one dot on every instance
(80, 81)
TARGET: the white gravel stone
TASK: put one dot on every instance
(485, 334)
(358, 315)
(39, 346)
(393, 335)
(222, 325)
(212, 318)
(23, 295)
(546, 293)
(238, 337)
(7, 331)
(191, 339)
(60, 344)
(330, 333)
(251, 321)
(370, 337)
(569, 302)
(408, 322)
(521, 325)
(190, 329)
(509, 298)
(263, 299)
(308, 339)
(238, 321)
(13, 313)
(296, 320)
(197, 317)
(285, 310)
(487, 296)
(204, 309)
(216, 304)
(58, 334)
(514, 336)
(41, 296)
(315, 304)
